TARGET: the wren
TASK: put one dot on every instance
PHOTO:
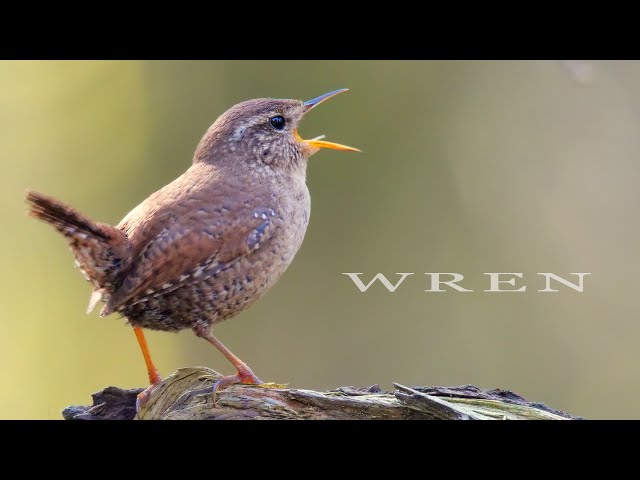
(209, 244)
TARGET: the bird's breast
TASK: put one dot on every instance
(292, 208)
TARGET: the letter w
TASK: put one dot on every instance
(363, 288)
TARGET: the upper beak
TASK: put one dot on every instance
(316, 143)
(314, 102)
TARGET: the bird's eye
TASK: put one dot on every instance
(277, 122)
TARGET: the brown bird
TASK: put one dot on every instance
(209, 244)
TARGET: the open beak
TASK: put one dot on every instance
(317, 143)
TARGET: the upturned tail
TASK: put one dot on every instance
(102, 252)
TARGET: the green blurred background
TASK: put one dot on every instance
(469, 167)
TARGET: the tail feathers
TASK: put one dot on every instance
(64, 218)
(102, 252)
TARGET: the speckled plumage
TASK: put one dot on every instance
(219, 254)
(212, 242)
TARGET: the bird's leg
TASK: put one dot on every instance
(244, 375)
(154, 376)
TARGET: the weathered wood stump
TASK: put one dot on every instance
(186, 395)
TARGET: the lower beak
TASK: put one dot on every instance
(318, 144)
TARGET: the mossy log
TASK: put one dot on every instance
(186, 395)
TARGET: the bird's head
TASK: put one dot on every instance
(264, 131)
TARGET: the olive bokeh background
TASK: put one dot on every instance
(468, 166)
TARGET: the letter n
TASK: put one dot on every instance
(579, 287)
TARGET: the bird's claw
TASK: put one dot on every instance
(143, 397)
(246, 377)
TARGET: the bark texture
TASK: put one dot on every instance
(186, 395)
